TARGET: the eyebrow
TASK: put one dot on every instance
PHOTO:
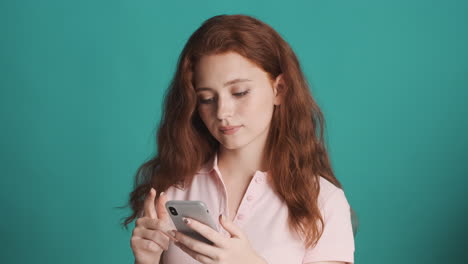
(231, 82)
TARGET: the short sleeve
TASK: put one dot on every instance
(337, 240)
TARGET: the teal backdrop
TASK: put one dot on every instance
(82, 84)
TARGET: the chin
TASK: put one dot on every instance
(232, 145)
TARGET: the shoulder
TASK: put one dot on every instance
(329, 193)
(337, 240)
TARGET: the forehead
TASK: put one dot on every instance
(215, 70)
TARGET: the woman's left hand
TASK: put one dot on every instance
(235, 249)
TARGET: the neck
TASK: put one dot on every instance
(240, 164)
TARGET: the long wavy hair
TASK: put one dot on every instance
(295, 151)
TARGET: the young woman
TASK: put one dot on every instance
(242, 133)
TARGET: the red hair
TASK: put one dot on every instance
(295, 150)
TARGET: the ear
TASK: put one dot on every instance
(278, 89)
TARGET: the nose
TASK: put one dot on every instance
(224, 108)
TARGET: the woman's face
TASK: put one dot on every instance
(233, 92)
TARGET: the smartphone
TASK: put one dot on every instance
(192, 209)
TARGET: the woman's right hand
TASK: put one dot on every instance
(150, 236)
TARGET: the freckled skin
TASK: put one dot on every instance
(253, 110)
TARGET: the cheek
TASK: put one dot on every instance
(257, 110)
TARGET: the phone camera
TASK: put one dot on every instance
(173, 210)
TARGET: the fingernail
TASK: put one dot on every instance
(162, 194)
(186, 220)
(172, 233)
(172, 236)
(222, 217)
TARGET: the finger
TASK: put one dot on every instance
(234, 230)
(154, 235)
(196, 245)
(149, 210)
(199, 257)
(161, 207)
(206, 231)
(145, 244)
(154, 224)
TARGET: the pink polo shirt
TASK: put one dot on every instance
(262, 215)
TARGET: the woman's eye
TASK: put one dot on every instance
(242, 93)
(206, 101)
(211, 100)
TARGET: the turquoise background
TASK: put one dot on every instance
(81, 91)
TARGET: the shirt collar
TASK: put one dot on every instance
(213, 165)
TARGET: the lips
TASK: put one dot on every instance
(229, 130)
(226, 128)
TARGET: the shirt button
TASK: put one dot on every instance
(249, 198)
(258, 180)
(240, 216)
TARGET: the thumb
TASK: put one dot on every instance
(161, 207)
(234, 230)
